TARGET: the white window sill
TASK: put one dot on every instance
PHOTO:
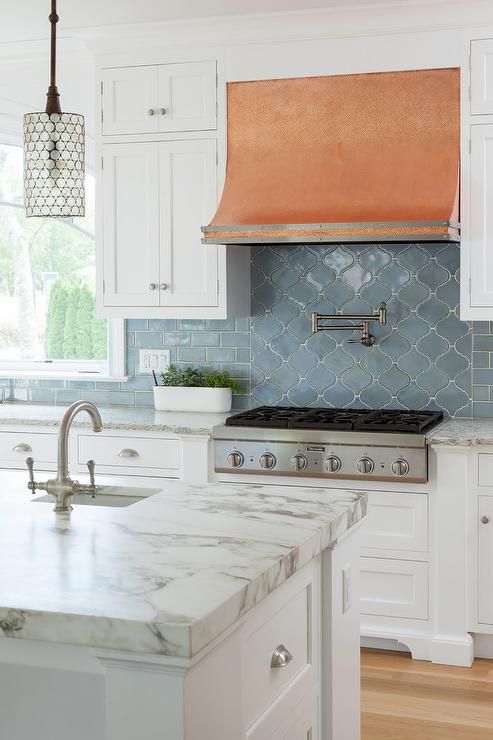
(39, 374)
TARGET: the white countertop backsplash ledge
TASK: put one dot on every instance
(462, 433)
(166, 576)
(128, 419)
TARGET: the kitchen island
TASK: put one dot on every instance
(213, 612)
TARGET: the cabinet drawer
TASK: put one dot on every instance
(289, 627)
(394, 588)
(396, 521)
(300, 723)
(15, 447)
(130, 452)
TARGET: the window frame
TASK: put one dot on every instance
(112, 369)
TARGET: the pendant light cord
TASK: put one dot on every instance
(53, 97)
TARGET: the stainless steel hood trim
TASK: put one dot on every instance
(331, 225)
(244, 231)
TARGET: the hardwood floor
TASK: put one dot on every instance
(403, 699)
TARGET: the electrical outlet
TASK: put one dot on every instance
(154, 359)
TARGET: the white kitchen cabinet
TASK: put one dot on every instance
(17, 446)
(130, 233)
(134, 455)
(188, 197)
(396, 521)
(485, 557)
(482, 77)
(481, 216)
(394, 588)
(156, 196)
(159, 98)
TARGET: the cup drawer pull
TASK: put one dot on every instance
(280, 657)
(22, 447)
(128, 452)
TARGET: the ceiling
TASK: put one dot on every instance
(28, 19)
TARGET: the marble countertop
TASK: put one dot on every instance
(131, 419)
(462, 433)
(168, 574)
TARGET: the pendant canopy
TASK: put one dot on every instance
(54, 153)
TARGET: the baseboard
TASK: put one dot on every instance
(483, 646)
(381, 643)
(452, 650)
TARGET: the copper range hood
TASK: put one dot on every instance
(353, 158)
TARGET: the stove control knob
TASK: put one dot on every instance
(298, 462)
(400, 467)
(365, 466)
(235, 459)
(267, 461)
(332, 464)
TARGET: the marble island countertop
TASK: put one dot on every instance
(167, 575)
(462, 433)
(131, 419)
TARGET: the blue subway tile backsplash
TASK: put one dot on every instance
(425, 357)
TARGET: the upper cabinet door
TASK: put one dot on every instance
(481, 217)
(187, 97)
(482, 77)
(130, 100)
(188, 197)
(130, 224)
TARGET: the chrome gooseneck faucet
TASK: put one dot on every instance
(62, 488)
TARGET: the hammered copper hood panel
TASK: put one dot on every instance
(367, 157)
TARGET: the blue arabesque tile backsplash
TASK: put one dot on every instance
(425, 357)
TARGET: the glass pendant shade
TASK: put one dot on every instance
(54, 164)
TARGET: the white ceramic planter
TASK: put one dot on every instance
(175, 398)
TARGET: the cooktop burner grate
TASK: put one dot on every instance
(282, 417)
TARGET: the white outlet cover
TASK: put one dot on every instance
(153, 359)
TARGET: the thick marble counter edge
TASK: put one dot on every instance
(125, 419)
(166, 576)
(462, 433)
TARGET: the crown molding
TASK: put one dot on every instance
(344, 20)
(39, 49)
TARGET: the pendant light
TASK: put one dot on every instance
(54, 153)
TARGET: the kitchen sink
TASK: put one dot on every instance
(114, 496)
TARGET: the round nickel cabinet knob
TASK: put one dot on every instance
(267, 461)
(365, 466)
(400, 468)
(298, 462)
(332, 464)
(235, 459)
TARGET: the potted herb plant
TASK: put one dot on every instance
(192, 389)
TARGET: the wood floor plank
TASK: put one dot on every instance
(403, 699)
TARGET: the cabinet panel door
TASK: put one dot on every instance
(129, 94)
(130, 224)
(482, 77)
(187, 97)
(394, 588)
(396, 521)
(485, 565)
(188, 197)
(481, 215)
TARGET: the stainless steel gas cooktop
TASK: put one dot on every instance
(324, 442)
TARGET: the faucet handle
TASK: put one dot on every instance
(91, 466)
(30, 466)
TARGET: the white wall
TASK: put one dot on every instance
(24, 82)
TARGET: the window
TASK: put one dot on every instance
(48, 321)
